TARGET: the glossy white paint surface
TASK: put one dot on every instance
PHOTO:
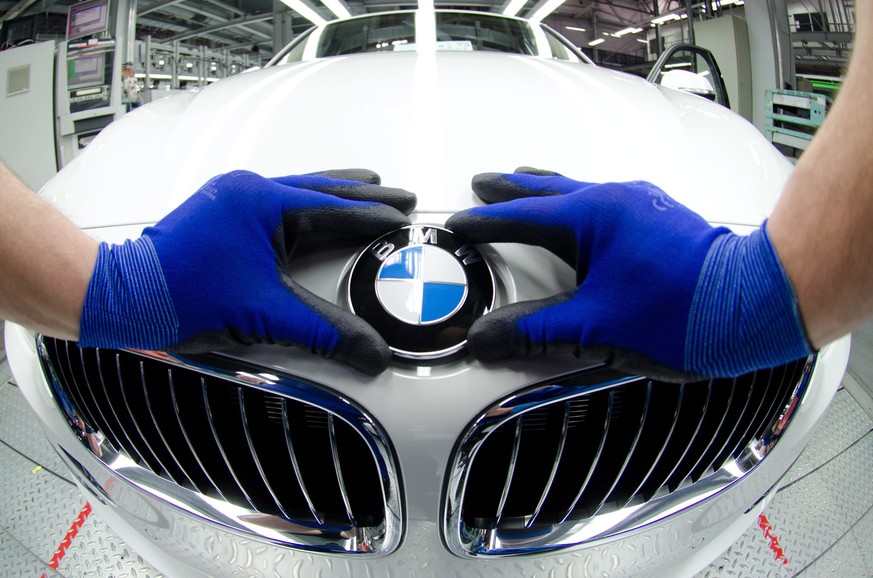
(423, 416)
(427, 123)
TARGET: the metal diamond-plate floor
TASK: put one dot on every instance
(819, 524)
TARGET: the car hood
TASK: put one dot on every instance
(426, 123)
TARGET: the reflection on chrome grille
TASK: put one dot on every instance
(597, 453)
(290, 457)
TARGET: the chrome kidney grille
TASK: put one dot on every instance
(594, 454)
(266, 455)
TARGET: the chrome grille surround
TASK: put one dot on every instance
(509, 494)
(269, 488)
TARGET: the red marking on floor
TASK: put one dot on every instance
(68, 537)
(771, 537)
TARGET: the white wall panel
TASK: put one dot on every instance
(27, 133)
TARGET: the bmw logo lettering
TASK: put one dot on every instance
(421, 288)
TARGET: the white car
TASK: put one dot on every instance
(270, 461)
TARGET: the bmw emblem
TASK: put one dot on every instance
(421, 287)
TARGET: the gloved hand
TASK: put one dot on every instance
(661, 292)
(213, 273)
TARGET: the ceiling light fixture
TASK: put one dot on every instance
(576, 28)
(545, 10)
(305, 10)
(514, 7)
(666, 18)
(631, 30)
(596, 42)
(337, 7)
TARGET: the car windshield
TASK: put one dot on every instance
(473, 31)
(379, 33)
(455, 31)
(465, 31)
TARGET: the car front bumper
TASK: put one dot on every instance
(181, 544)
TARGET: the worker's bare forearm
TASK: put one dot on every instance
(46, 262)
(822, 226)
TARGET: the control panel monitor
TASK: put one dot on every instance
(85, 71)
(87, 19)
(17, 30)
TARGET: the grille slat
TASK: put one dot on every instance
(126, 442)
(254, 451)
(738, 406)
(783, 390)
(108, 421)
(289, 443)
(210, 418)
(785, 395)
(596, 460)
(749, 419)
(510, 471)
(703, 443)
(637, 489)
(623, 429)
(102, 422)
(76, 393)
(192, 409)
(338, 470)
(720, 428)
(630, 453)
(149, 455)
(676, 445)
(75, 390)
(559, 453)
(292, 458)
(314, 455)
(686, 462)
(634, 442)
(178, 413)
(137, 408)
(155, 419)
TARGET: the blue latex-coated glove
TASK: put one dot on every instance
(213, 273)
(661, 292)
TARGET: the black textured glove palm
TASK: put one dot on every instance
(660, 292)
(213, 273)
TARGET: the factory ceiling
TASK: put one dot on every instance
(247, 25)
(258, 28)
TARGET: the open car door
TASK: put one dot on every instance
(691, 69)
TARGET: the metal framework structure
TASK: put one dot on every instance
(242, 25)
(618, 32)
